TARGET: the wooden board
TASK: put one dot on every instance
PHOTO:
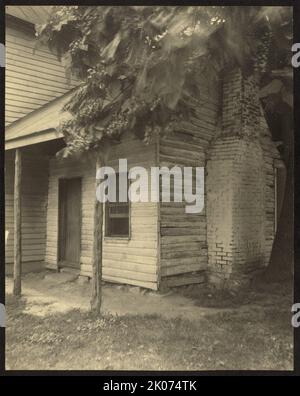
(183, 236)
(33, 77)
(33, 207)
(69, 222)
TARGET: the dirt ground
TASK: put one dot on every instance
(193, 328)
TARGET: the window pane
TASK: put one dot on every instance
(118, 227)
(118, 209)
(117, 217)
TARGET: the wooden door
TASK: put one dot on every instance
(69, 222)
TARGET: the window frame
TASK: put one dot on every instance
(106, 221)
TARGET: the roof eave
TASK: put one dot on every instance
(34, 138)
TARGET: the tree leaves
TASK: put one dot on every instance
(109, 51)
(134, 59)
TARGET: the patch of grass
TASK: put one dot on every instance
(253, 338)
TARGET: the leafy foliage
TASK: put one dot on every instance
(136, 63)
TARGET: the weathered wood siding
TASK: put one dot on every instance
(71, 168)
(135, 260)
(183, 235)
(34, 14)
(33, 78)
(33, 207)
(131, 261)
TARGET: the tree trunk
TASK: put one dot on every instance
(97, 252)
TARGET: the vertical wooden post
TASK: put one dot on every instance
(17, 223)
(97, 252)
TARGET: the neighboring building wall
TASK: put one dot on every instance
(33, 206)
(183, 235)
(240, 183)
(33, 77)
(271, 154)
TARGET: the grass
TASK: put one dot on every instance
(255, 337)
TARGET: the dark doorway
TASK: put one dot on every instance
(69, 222)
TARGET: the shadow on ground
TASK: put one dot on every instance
(193, 328)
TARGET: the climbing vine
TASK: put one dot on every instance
(136, 63)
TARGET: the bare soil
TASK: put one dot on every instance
(193, 328)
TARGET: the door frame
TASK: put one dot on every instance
(60, 262)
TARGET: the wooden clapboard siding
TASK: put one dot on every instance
(183, 236)
(33, 208)
(34, 77)
(70, 168)
(33, 14)
(132, 261)
(135, 260)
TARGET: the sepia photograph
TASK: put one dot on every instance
(149, 188)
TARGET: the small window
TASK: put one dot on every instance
(117, 216)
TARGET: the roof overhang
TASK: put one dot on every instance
(33, 14)
(38, 126)
(37, 137)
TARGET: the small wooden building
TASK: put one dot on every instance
(144, 244)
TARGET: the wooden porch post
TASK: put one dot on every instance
(17, 223)
(97, 252)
